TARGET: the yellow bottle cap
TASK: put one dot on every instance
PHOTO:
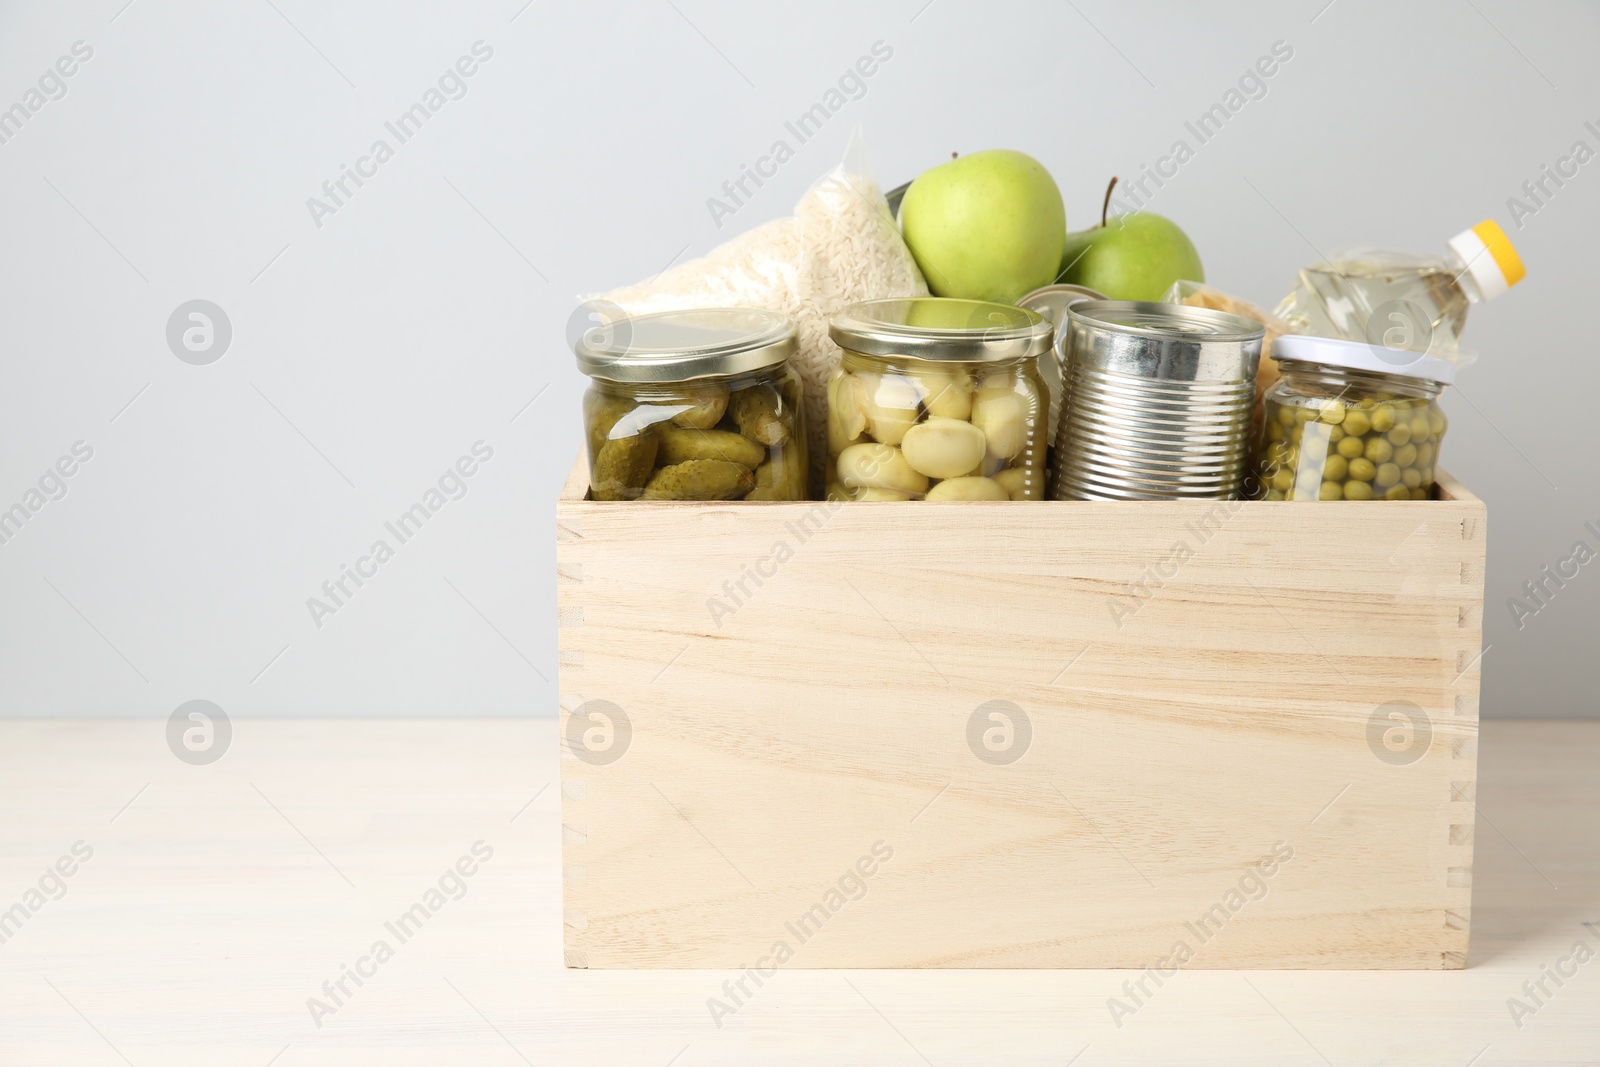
(1490, 258)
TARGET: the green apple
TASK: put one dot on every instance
(987, 226)
(1136, 256)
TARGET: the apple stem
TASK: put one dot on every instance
(1107, 205)
(953, 155)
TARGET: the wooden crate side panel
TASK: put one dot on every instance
(799, 681)
(1462, 694)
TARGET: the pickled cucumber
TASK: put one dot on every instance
(706, 404)
(679, 445)
(793, 470)
(700, 479)
(783, 477)
(603, 411)
(622, 466)
(756, 411)
(700, 439)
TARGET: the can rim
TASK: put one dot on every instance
(1166, 321)
(686, 344)
(1052, 301)
(991, 331)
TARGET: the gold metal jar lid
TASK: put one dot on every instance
(677, 346)
(941, 328)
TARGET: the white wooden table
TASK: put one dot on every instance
(219, 899)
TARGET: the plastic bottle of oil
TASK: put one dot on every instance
(1401, 301)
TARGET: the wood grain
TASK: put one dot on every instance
(1201, 680)
(205, 920)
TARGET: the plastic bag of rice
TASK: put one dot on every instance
(840, 246)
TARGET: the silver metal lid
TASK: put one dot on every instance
(1163, 342)
(1051, 300)
(677, 346)
(941, 328)
(1164, 321)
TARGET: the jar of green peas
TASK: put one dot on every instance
(1351, 421)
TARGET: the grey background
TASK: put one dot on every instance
(425, 315)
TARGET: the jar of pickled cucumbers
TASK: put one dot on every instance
(1351, 421)
(694, 405)
(938, 399)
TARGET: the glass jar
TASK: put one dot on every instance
(937, 399)
(1351, 421)
(694, 405)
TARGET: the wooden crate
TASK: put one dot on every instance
(1264, 757)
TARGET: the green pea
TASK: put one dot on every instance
(1354, 490)
(1383, 418)
(1425, 453)
(1419, 494)
(1275, 431)
(1284, 415)
(1437, 422)
(1351, 447)
(1357, 422)
(1420, 430)
(1276, 494)
(1303, 415)
(1405, 455)
(1427, 475)
(1336, 468)
(1379, 450)
(1335, 434)
(1331, 412)
(1411, 477)
(1397, 492)
(1282, 478)
(1362, 470)
(1388, 475)
(1401, 434)
(1332, 491)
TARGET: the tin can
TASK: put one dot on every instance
(1158, 402)
(1051, 300)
